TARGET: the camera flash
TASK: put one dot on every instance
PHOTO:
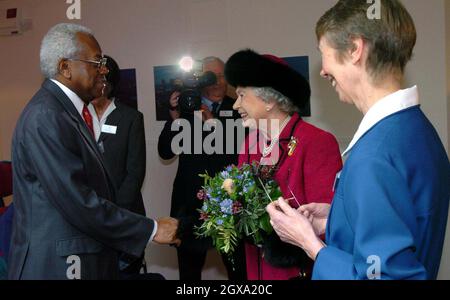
(187, 63)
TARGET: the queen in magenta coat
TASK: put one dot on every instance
(302, 158)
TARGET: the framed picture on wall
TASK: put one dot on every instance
(165, 77)
(127, 92)
(301, 65)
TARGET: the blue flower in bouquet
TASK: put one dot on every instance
(226, 206)
(245, 188)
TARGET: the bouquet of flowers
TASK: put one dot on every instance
(234, 205)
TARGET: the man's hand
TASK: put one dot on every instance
(173, 103)
(294, 228)
(206, 113)
(317, 214)
(167, 230)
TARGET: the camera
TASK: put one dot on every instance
(190, 87)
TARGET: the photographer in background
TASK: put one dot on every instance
(185, 204)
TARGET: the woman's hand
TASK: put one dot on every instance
(294, 228)
(317, 214)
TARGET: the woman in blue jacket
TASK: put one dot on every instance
(390, 208)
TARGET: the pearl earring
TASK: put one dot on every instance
(267, 108)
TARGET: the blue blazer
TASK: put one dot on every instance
(390, 209)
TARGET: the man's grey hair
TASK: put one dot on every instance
(211, 59)
(60, 42)
(268, 94)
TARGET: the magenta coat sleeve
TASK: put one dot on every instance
(321, 164)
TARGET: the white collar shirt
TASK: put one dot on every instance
(385, 107)
(76, 100)
(98, 123)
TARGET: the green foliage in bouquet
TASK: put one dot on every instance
(234, 205)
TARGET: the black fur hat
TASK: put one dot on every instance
(247, 68)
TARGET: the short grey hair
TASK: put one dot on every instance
(268, 94)
(60, 42)
(211, 59)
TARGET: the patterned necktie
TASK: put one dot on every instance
(88, 119)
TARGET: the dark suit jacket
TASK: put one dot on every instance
(187, 182)
(124, 154)
(64, 198)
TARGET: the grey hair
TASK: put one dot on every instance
(268, 94)
(60, 42)
(211, 59)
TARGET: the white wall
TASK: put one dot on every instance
(141, 34)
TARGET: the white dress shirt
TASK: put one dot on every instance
(76, 100)
(98, 123)
(385, 107)
(209, 104)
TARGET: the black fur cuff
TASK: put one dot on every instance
(283, 255)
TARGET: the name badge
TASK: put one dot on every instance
(226, 113)
(336, 181)
(109, 129)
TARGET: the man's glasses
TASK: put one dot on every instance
(100, 64)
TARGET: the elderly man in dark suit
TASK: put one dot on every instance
(66, 224)
(120, 135)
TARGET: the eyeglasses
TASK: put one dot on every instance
(100, 64)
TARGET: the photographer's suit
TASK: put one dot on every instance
(192, 252)
(66, 225)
